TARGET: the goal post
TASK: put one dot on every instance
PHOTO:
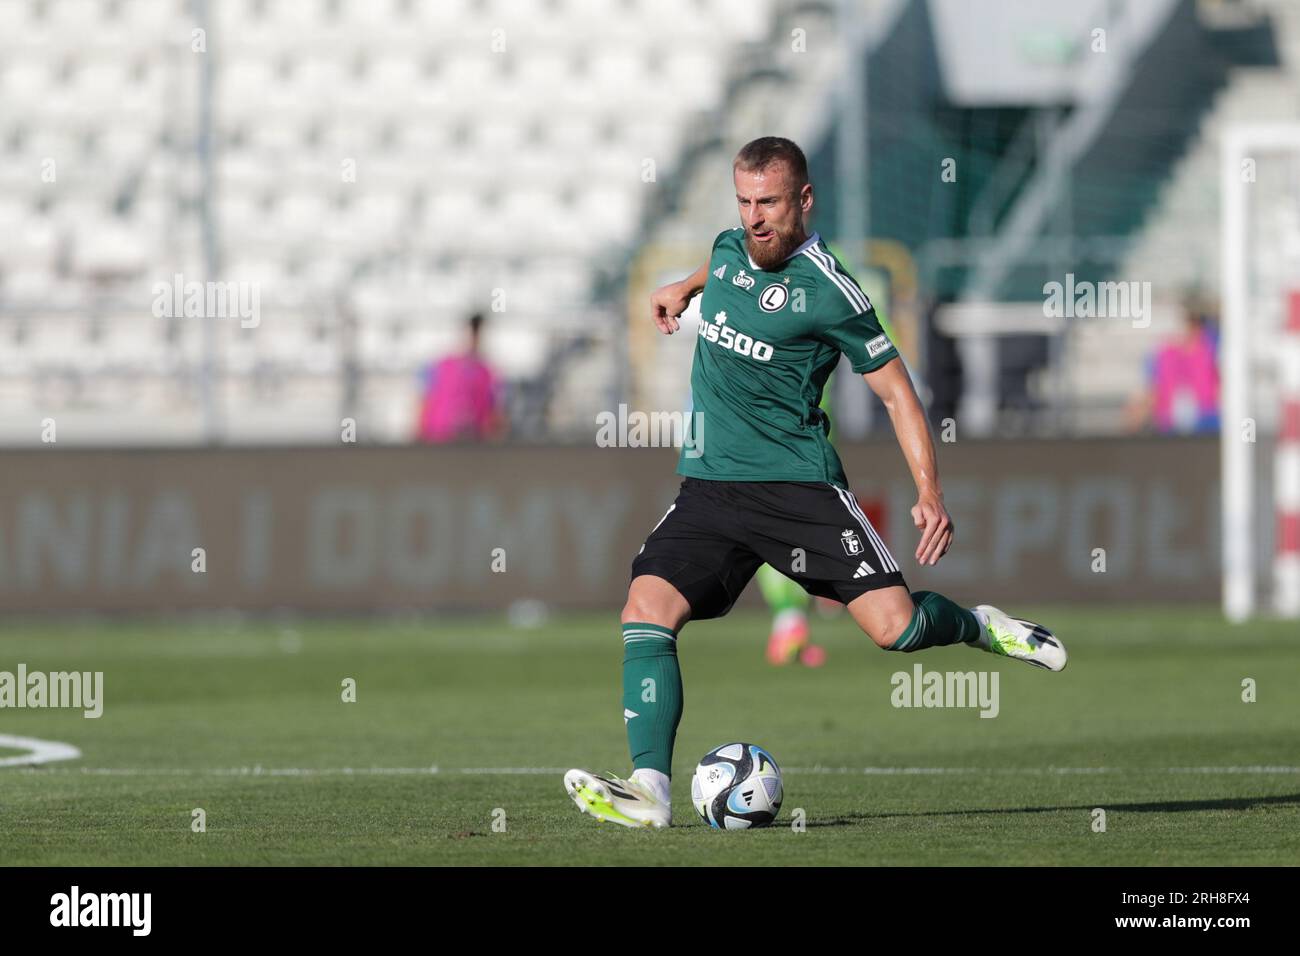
(1260, 364)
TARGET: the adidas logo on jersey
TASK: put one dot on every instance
(720, 271)
(863, 570)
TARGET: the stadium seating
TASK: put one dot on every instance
(394, 160)
(382, 168)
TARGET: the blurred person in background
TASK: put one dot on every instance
(462, 395)
(1181, 396)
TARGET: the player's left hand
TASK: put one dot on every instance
(932, 517)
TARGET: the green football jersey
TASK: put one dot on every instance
(768, 340)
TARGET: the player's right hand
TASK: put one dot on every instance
(666, 304)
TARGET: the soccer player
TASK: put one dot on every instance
(778, 309)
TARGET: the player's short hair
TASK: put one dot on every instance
(760, 153)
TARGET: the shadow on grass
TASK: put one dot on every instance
(1164, 806)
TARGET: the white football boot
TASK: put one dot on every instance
(1023, 640)
(625, 802)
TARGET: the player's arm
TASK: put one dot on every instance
(894, 387)
(670, 301)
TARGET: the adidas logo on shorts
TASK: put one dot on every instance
(863, 570)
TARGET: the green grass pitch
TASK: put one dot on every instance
(246, 721)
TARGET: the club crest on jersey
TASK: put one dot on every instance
(852, 543)
(774, 298)
(743, 279)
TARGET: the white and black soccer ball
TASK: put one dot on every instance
(737, 786)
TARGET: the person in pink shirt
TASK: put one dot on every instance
(462, 396)
(1182, 394)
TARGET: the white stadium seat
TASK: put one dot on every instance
(15, 24)
(25, 83)
(103, 248)
(300, 216)
(377, 219)
(243, 81)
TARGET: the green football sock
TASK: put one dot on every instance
(652, 695)
(937, 621)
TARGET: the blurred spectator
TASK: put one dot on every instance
(462, 396)
(1182, 390)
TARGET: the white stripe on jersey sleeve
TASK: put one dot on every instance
(844, 282)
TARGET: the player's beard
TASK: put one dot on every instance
(773, 252)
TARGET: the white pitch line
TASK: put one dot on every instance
(38, 751)
(1044, 771)
(66, 752)
(242, 771)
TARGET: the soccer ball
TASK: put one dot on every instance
(737, 786)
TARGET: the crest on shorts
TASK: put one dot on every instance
(852, 543)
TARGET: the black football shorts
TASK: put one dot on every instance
(718, 533)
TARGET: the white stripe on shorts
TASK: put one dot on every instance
(661, 521)
(882, 553)
(880, 542)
